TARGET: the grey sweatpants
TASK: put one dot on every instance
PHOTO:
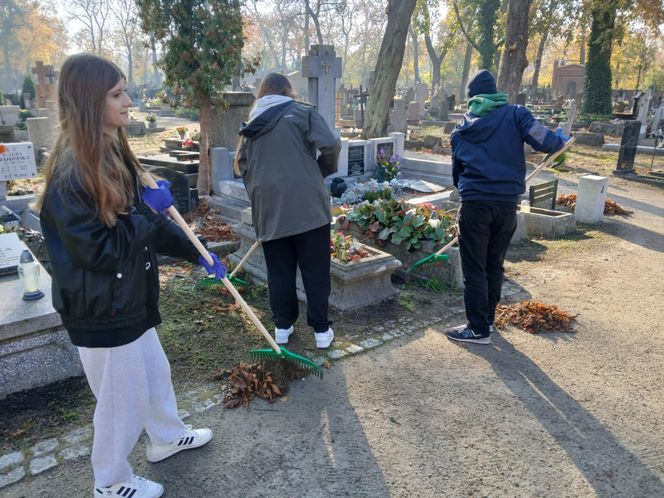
(132, 384)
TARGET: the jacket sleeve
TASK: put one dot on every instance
(535, 134)
(242, 156)
(457, 164)
(322, 138)
(89, 242)
(172, 241)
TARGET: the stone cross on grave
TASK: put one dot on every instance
(322, 67)
(44, 89)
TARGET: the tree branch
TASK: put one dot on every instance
(463, 29)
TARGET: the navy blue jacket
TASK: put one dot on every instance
(488, 161)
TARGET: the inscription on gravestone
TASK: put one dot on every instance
(17, 160)
(185, 198)
(355, 160)
(628, 145)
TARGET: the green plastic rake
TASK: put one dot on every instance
(211, 281)
(440, 256)
(276, 352)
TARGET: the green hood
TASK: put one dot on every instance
(484, 103)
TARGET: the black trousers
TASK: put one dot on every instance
(311, 252)
(485, 231)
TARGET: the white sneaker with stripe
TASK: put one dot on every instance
(136, 487)
(190, 439)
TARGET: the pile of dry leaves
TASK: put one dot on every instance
(534, 317)
(610, 207)
(248, 380)
(207, 223)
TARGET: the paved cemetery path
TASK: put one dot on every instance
(547, 415)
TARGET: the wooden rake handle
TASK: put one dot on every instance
(149, 181)
(544, 164)
(244, 258)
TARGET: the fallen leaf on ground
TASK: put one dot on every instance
(534, 317)
(610, 206)
(248, 380)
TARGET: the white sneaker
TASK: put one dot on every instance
(459, 328)
(324, 339)
(281, 335)
(136, 487)
(188, 441)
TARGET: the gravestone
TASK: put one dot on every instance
(356, 158)
(397, 120)
(444, 112)
(413, 112)
(322, 68)
(657, 120)
(238, 105)
(410, 95)
(590, 199)
(9, 114)
(45, 89)
(644, 111)
(421, 92)
(520, 99)
(7, 134)
(41, 132)
(17, 160)
(185, 198)
(571, 116)
(35, 350)
(628, 146)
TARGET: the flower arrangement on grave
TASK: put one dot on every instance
(367, 191)
(196, 136)
(345, 249)
(151, 117)
(182, 131)
(387, 167)
(390, 220)
(187, 144)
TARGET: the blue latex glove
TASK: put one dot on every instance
(559, 133)
(218, 269)
(160, 198)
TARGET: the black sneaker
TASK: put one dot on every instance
(459, 328)
(469, 335)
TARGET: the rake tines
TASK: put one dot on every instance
(302, 362)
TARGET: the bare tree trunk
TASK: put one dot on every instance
(388, 65)
(534, 82)
(465, 71)
(416, 53)
(582, 49)
(306, 30)
(130, 67)
(436, 60)
(514, 55)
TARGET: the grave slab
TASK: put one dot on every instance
(34, 348)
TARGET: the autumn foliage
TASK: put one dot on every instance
(534, 317)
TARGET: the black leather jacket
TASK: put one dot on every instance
(105, 280)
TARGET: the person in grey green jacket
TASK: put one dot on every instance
(286, 150)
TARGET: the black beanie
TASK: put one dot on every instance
(482, 82)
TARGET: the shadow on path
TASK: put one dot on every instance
(609, 467)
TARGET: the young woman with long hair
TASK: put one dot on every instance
(102, 232)
(283, 174)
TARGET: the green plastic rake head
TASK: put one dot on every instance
(431, 258)
(287, 355)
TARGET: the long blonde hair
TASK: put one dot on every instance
(101, 164)
(273, 84)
